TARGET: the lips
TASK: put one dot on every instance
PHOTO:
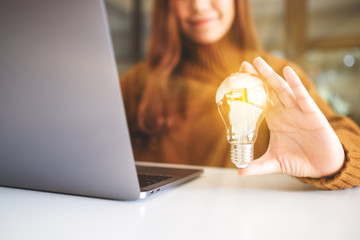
(201, 21)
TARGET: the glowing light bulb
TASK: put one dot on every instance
(241, 100)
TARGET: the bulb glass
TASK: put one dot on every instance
(241, 100)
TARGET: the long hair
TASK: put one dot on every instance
(156, 110)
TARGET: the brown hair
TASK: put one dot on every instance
(156, 111)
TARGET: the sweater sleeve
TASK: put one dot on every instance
(349, 134)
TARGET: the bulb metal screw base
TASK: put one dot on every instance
(241, 154)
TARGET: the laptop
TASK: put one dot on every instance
(62, 120)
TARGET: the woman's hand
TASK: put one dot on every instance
(302, 142)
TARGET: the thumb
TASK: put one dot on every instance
(261, 166)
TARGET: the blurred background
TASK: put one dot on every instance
(322, 36)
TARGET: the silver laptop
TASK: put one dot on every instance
(62, 120)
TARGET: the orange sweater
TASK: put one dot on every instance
(200, 139)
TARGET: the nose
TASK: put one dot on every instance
(200, 5)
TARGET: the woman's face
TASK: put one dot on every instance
(205, 21)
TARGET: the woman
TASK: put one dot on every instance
(173, 117)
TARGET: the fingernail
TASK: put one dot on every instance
(288, 68)
(242, 66)
(264, 67)
(244, 63)
(259, 59)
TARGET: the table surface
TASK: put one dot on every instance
(218, 205)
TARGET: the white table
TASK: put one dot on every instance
(218, 205)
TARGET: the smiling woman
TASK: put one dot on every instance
(170, 99)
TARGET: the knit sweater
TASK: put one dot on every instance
(200, 138)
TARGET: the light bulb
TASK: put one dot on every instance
(241, 100)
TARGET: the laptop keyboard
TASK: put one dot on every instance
(146, 180)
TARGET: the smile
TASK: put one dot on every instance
(202, 22)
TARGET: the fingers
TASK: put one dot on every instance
(261, 166)
(274, 99)
(280, 86)
(305, 102)
(248, 67)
